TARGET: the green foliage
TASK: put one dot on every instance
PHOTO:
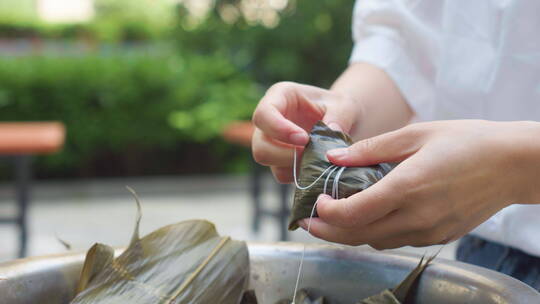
(120, 20)
(115, 21)
(164, 111)
(17, 10)
(123, 103)
(216, 96)
(310, 44)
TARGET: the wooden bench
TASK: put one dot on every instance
(19, 141)
(241, 133)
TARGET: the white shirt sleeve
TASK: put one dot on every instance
(388, 35)
(461, 60)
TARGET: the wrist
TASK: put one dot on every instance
(524, 146)
(380, 105)
(353, 108)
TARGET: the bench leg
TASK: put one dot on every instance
(23, 179)
(258, 212)
(256, 176)
(283, 213)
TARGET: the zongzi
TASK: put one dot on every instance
(315, 169)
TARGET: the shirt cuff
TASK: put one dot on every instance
(385, 50)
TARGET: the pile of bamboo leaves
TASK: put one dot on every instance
(186, 262)
(189, 263)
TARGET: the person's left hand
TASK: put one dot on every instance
(454, 175)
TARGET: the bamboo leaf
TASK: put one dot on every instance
(98, 258)
(400, 293)
(135, 237)
(302, 297)
(66, 245)
(187, 262)
(385, 297)
(249, 297)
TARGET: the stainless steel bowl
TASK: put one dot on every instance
(343, 274)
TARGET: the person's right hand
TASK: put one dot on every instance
(284, 116)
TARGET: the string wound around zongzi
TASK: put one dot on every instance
(328, 172)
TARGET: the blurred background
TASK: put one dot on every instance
(145, 87)
(145, 90)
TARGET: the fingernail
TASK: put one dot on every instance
(302, 224)
(299, 138)
(338, 153)
(334, 126)
(323, 196)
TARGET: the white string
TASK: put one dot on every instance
(335, 194)
(303, 255)
(315, 181)
(327, 178)
(335, 186)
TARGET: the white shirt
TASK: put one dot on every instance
(459, 59)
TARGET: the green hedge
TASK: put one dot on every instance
(140, 113)
(115, 21)
(119, 106)
(310, 44)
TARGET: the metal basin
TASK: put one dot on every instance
(343, 274)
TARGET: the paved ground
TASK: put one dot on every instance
(85, 212)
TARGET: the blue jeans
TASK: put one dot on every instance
(495, 256)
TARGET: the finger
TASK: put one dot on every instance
(283, 174)
(269, 152)
(393, 146)
(388, 227)
(272, 122)
(360, 209)
(319, 229)
(340, 118)
(394, 230)
(284, 113)
(417, 239)
(392, 243)
(418, 234)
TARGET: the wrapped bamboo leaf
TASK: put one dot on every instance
(397, 295)
(315, 167)
(249, 297)
(302, 297)
(186, 263)
(385, 297)
(400, 293)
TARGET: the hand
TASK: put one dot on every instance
(285, 114)
(454, 175)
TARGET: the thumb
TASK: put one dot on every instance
(393, 146)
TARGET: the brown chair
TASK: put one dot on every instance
(19, 141)
(241, 133)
